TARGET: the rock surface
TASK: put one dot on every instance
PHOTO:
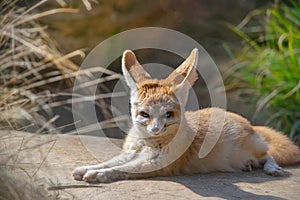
(42, 165)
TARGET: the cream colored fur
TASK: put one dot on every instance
(165, 140)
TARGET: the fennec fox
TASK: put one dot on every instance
(164, 140)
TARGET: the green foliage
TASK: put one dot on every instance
(270, 64)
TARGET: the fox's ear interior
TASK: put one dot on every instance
(185, 76)
(132, 70)
(186, 73)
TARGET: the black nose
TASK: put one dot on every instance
(155, 130)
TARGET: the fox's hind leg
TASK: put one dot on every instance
(260, 151)
(272, 168)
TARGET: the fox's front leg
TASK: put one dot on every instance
(124, 157)
(137, 168)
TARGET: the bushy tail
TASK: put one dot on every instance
(280, 146)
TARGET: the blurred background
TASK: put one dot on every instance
(244, 38)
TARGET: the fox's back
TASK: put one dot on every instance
(218, 121)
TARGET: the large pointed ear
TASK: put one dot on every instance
(186, 73)
(184, 76)
(132, 70)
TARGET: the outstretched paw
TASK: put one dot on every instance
(97, 176)
(79, 172)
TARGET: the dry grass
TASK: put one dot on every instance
(34, 73)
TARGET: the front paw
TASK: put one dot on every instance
(97, 176)
(78, 172)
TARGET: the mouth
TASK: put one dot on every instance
(155, 134)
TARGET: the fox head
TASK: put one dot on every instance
(157, 106)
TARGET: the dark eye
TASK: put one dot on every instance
(144, 114)
(169, 114)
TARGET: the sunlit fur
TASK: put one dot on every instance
(158, 145)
